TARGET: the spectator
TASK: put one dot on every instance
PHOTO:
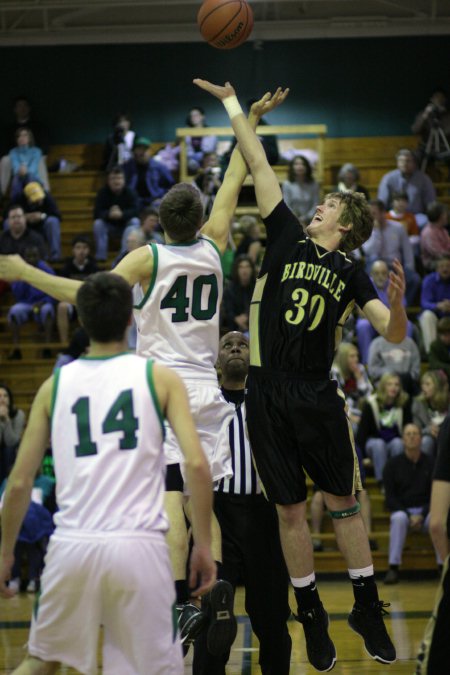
(348, 180)
(208, 181)
(149, 178)
(389, 241)
(23, 118)
(150, 226)
(115, 212)
(31, 303)
(430, 408)
(400, 213)
(408, 178)
(25, 159)
(383, 416)
(300, 190)
(434, 240)
(119, 144)
(401, 358)
(79, 266)
(18, 236)
(435, 114)
(251, 243)
(198, 146)
(238, 294)
(352, 379)
(440, 348)
(407, 483)
(12, 424)
(435, 300)
(135, 239)
(42, 215)
(379, 273)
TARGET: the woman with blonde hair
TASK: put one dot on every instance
(383, 417)
(430, 407)
(352, 379)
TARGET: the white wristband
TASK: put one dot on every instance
(232, 106)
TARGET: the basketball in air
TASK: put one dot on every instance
(225, 24)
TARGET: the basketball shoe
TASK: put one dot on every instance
(369, 624)
(320, 649)
(217, 605)
(191, 621)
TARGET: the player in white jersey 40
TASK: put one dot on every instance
(178, 325)
(105, 412)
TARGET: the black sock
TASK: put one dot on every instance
(182, 591)
(365, 590)
(307, 597)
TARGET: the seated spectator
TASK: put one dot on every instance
(400, 213)
(300, 190)
(352, 379)
(150, 225)
(407, 177)
(31, 303)
(12, 424)
(23, 118)
(135, 239)
(119, 144)
(149, 178)
(79, 266)
(198, 146)
(348, 180)
(238, 294)
(439, 357)
(435, 300)
(208, 181)
(434, 239)
(32, 541)
(19, 236)
(251, 243)
(365, 332)
(387, 242)
(227, 258)
(78, 345)
(115, 212)
(383, 416)
(430, 408)
(42, 215)
(24, 158)
(407, 483)
(401, 358)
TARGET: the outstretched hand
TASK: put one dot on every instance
(396, 286)
(215, 89)
(268, 102)
(11, 267)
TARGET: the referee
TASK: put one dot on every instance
(251, 548)
(434, 655)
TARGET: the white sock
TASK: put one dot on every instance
(362, 572)
(302, 582)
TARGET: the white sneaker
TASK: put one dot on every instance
(32, 586)
(14, 584)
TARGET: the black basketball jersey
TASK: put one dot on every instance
(302, 298)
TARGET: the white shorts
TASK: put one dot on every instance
(122, 581)
(212, 416)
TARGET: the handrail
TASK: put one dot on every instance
(319, 130)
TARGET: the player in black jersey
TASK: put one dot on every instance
(307, 287)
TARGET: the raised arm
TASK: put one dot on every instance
(267, 188)
(390, 323)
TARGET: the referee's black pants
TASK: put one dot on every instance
(251, 552)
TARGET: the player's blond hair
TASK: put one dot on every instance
(355, 212)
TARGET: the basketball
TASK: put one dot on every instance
(225, 24)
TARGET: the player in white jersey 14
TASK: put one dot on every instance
(105, 412)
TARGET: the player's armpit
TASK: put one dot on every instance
(137, 266)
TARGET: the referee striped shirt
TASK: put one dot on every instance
(244, 480)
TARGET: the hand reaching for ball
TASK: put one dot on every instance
(258, 109)
(215, 89)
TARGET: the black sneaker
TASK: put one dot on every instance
(191, 621)
(218, 606)
(321, 650)
(368, 623)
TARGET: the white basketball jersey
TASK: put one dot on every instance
(107, 435)
(178, 318)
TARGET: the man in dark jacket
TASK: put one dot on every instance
(43, 215)
(148, 177)
(18, 236)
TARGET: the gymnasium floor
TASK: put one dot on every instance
(411, 604)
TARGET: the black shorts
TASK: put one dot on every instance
(174, 479)
(299, 425)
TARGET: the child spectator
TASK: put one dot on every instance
(401, 214)
(430, 407)
(435, 300)
(238, 294)
(439, 357)
(352, 379)
(150, 225)
(435, 240)
(24, 158)
(43, 215)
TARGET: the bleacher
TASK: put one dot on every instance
(75, 193)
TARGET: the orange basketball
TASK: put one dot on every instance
(225, 24)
